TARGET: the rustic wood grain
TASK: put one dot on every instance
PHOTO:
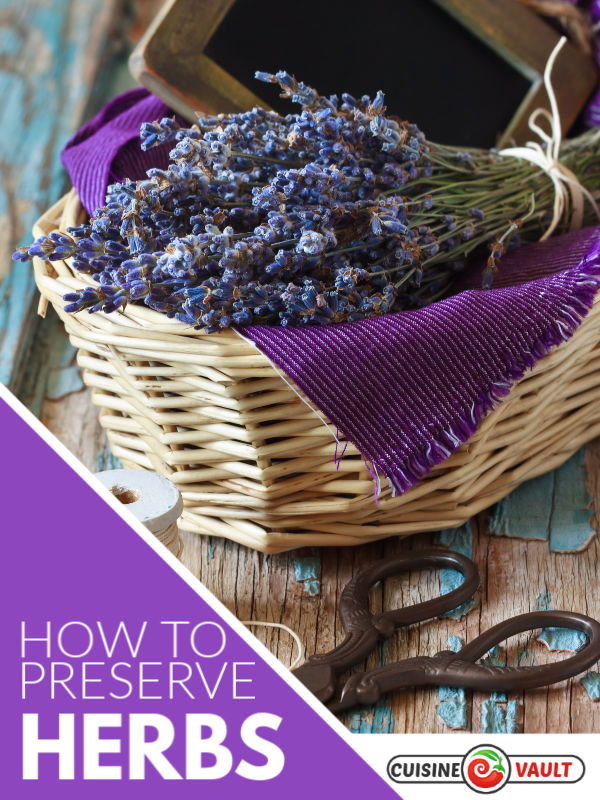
(191, 81)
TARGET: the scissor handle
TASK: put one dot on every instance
(363, 629)
(460, 670)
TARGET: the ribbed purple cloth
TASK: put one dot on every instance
(107, 148)
(409, 388)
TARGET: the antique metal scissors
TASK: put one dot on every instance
(320, 673)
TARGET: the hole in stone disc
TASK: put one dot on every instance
(124, 495)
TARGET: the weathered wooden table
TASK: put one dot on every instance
(58, 63)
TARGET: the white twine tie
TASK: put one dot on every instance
(259, 623)
(569, 194)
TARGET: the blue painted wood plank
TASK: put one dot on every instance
(52, 52)
(105, 460)
(554, 507)
(452, 708)
(591, 682)
(461, 541)
(63, 381)
(51, 370)
(525, 513)
(570, 526)
(562, 639)
(210, 553)
(307, 570)
(496, 719)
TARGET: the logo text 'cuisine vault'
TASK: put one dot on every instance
(486, 769)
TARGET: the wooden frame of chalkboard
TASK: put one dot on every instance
(171, 60)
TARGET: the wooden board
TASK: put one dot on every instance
(52, 53)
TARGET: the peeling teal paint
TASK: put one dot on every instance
(210, 554)
(512, 717)
(498, 714)
(493, 718)
(354, 722)
(382, 720)
(461, 541)
(557, 638)
(571, 529)
(105, 460)
(562, 639)
(312, 588)
(307, 571)
(525, 513)
(496, 719)
(591, 682)
(554, 507)
(524, 656)
(458, 539)
(542, 600)
(306, 568)
(62, 382)
(452, 708)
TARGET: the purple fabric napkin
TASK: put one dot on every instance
(406, 389)
(107, 148)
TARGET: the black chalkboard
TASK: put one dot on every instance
(432, 70)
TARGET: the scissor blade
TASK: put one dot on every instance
(319, 678)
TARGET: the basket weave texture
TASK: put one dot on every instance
(253, 461)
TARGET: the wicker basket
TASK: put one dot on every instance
(256, 465)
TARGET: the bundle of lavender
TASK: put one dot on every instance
(335, 213)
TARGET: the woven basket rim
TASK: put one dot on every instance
(147, 318)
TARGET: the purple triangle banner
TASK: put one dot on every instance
(120, 678)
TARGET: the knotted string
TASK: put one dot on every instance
(569, 194)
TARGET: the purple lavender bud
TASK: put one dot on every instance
(22, 254)
(488, 278)
(285, 79)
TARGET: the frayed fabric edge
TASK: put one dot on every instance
(412, 470)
